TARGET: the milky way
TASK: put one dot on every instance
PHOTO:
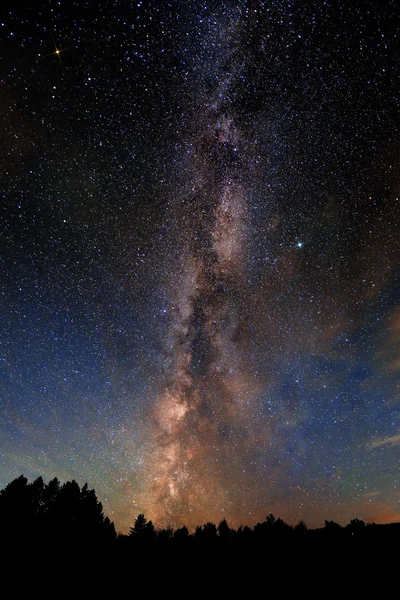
(201, 258)
(201, 420)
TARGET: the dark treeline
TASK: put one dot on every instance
(56, 515)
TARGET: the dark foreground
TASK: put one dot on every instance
(51, 519)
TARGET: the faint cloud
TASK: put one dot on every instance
(394, 440)
(372, 494)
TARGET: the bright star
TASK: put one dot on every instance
(57, 51)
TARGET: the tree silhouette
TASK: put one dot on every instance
(270, 520)
(300, 529)
(356, 527)
(181, 536)
(38, 516)
(143, 531)
(209, 533)
(43, 514)
(332, 527)
(224, 531)
(164, 536)
(139, 525)
(15, 508)
(198, 534)
(244, 535)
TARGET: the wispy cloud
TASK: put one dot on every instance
(394, 440)
(372, 494)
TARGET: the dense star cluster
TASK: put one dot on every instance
(200, 234)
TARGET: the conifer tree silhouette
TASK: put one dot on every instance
(41, 514)
(143, 531)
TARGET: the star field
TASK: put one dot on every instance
(200, 249)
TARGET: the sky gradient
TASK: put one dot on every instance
(200, 235)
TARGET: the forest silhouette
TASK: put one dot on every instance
(55, 515)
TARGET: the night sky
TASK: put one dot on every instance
(200, 256)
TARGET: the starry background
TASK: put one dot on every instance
(200, 244)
